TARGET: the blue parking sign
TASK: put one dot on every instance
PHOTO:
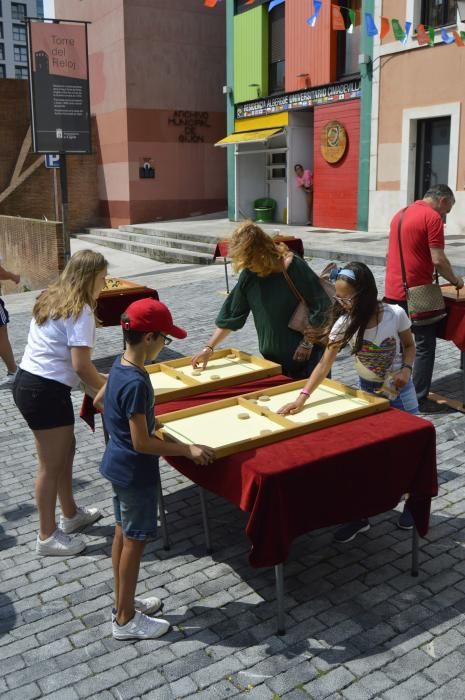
(52, 160)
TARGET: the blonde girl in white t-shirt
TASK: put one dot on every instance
(381, 341)
(57, 356)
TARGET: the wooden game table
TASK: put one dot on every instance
(453, 328)
(338, 474)
(116, 297)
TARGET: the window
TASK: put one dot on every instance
(1, 30)
(18, 10)
(21, 72)
(20, 53)
(40, 8)
(2, 52)
(276, 49)
(438, 13)
(19, 32)
(2, 71)
(276, 165)
(348, 45)
(1, 9)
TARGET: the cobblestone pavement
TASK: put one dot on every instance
(359, 626)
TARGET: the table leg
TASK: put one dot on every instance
(206, 525)
(226, 273)
(414, 551)
(279, 576)
(162, 513)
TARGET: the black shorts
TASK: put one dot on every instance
(43, 403)
(4, 317)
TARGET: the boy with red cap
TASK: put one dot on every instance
(130, 461)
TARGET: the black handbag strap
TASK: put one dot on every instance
(402, 264)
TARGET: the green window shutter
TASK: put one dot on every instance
(250, 54)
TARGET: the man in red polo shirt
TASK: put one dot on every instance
(422, 237)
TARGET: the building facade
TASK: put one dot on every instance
(418, 129)
(294, 94)
(156, 69)
(13, 42)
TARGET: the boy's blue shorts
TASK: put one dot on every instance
(135, 509)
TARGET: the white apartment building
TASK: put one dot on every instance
(13, 44)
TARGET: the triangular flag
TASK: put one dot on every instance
(210, 3)
(446, 37)
(459, 39)
(424, 36)
(273, 3)
(385, 27)
(337, 20)
(399, 33)
(249, 2)
(352, 19)
(316, 11)
(370, 25)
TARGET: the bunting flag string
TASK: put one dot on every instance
(345, 19)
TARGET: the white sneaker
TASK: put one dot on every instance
(11, 376)
(59, 545)
(84, 516)
(143, 605)
(141, 627)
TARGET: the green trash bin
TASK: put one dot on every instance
(264, 210)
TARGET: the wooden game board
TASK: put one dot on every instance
(450, 292)
(176, 379)
(115, 285)
(220, 426)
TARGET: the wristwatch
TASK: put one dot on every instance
(404, 364)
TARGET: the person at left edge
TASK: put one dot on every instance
(58, 355)
(130, 461)
(6, 353)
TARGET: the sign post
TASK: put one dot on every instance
(59, 97)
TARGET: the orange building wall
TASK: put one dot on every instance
(335, 185)
(308, 49)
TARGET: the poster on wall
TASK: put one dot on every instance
(59, 87)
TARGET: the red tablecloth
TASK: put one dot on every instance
(331, 476)
(453, 326)
(110, 308)
(294, 244)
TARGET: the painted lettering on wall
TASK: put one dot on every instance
(189, 123)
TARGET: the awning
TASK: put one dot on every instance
(258, 136)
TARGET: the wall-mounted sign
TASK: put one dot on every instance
(59, 87)
(325, 94)
(333, 142)
(189, 123)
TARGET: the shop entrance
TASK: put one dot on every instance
(432, 162)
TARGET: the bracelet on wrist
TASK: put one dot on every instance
(307, 346)
(405, 364)
(305, 393)
(209, 347)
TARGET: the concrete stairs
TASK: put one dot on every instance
(157, 243)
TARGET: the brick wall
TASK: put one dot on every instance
(31, 248)
(34, 198)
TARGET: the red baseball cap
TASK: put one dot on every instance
(151, 316)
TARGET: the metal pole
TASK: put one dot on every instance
(414, 551)
(279, 576)
(64, 207)
(206, 526)
(226, 273)
(55, 194)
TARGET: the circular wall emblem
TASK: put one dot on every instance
(333, 142)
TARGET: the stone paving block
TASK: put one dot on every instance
(32, 673)
(418, 686)
(26, 692)
(446, 668)
(182, 687)
(68, 676)
(219, 691)
(407, 665)
(156, 659)
(296, 676)
(186, 665)
(329, 683)
(135, 687)
(453, 690)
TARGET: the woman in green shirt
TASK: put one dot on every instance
(262, 290)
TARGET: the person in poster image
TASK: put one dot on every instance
(304, 180)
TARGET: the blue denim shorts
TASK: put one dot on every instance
(135, 509)
(406, 401)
